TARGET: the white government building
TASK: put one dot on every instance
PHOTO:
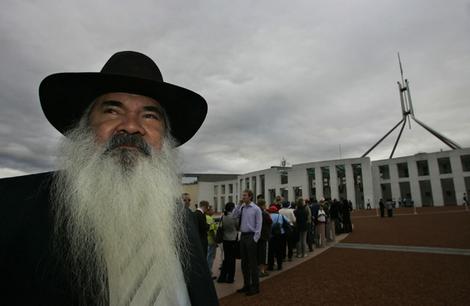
(424, 179)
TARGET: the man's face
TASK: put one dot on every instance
(186, 200)
(246, 197)
(123, 113)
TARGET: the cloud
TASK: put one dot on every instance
(294, 80)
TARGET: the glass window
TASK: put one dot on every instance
(297, 192)
(325, 172)
(216, 189)
(284, 178)
(403, 170)
(465, 162)
(423, 168)
(384, 171)
(222, 189)
(311, 182)
(358, 185)
(444, 165)
(261, 180)
(230, 189)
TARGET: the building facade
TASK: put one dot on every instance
(424, 179)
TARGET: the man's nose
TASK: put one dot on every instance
(131, 124)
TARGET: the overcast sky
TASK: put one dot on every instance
(293, 79)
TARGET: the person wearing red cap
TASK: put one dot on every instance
(277, 240)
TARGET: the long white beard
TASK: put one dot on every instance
(118, 217)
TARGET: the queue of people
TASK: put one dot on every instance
(264, 237)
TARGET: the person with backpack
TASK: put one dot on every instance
(277, 240)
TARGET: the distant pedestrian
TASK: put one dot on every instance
(389, 205)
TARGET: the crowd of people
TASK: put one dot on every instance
(264, 236)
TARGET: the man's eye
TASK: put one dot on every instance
(110, 111)
(152, 116)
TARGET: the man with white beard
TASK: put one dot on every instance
(105, 229)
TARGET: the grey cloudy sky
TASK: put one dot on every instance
(293, 79)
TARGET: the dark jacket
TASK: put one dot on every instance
(32, 274)
(266, 226)
(202, 229)
(301, 218)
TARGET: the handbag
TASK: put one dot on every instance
(219, 235)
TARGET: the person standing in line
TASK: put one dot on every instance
(278, 234)
(302, 216)
(263, 241)
(202, 225)
(230, 226)
(290, 240)
(334, 216)
(211, 244)
(346, 215)
(321, 221)
(251, 220)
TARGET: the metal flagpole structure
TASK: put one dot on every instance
(407, 116)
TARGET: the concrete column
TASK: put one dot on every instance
(394, 182)
(318, 183)
(435, 181)
(351, 194)
(414, 182)
(333, 182)
(457, 174)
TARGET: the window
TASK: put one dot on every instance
(311, 182)
(230, 189)
(341, 174)
(247, 183)
(261, 180)
(403, 170)
(444, 165)
(325, 172)
(216, 189)
(223, 189)
(358, 185)
(297, 192)
(284, 178)
(465, 159)
(423, 168)
(384, 171)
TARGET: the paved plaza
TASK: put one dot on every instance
(418, 257)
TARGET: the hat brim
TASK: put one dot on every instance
(65, 96)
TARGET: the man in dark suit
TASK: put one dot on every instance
(202, 226)
(104, 229)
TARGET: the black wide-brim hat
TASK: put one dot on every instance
(65, 96)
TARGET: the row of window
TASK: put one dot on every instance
(444, 165)
(222, 189)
